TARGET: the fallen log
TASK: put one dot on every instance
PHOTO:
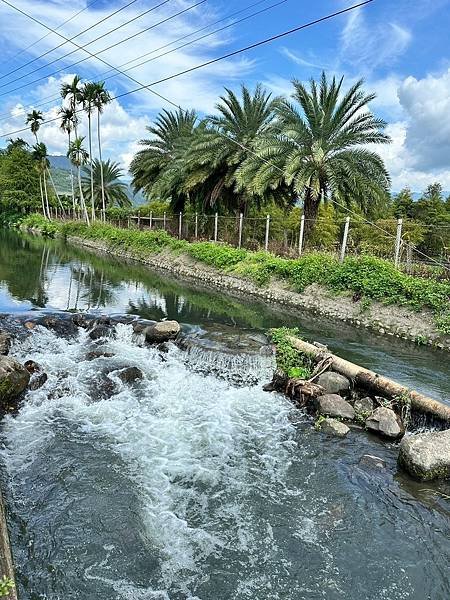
(372, 382)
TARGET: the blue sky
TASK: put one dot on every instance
(400, 48)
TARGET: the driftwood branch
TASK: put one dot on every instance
(372, 382)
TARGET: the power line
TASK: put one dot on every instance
(95, 55)
(113, 30)
(47, 34)
(55, 31)
(50, 99)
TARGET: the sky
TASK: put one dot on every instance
(399, 48)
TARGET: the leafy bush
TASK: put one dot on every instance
(291, 361)
(6, 585)
(37, 221)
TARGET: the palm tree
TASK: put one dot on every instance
(67, 125)
(72, 92)
(16, 144)
(101, 99)
(79, 157)
(42, 164)
(171, 133)
(319, 147)
(108, 189)
(88, 94)
(34, 120)
(225, 142)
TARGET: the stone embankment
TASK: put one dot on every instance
(392, 320)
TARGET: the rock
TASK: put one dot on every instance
(98, 354)
(335, 406)
(100, 331)
(5, 342)
(426, 456)
(162, 332)
(369, 460)
(364, 406)
(60, 324)
(334, 427)
(386, 422)
(31, 366)
(14, 378)
(333, 383)
(278, 383)
(38, 381)
(140, 325)
(130, 374)
(29, 325)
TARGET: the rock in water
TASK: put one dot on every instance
(426, 456)
(364, 406)
(374, 462)
(334, 427)
(100, 331)
(335, 406)
(5, 342)
(37, 381)
(162, 332)
(130, 374)
(386, 422)
(334, 383)
(14, 378)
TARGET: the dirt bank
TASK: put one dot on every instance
(418, 327)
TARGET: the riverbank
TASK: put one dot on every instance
(364, 292)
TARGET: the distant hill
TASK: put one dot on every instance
(60, 168)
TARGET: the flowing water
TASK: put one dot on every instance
(193, 483)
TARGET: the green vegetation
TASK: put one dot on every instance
(6, 585)
(371, 278)
(290, 361)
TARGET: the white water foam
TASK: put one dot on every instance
(196, 450)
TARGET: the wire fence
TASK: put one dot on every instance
(391, 239)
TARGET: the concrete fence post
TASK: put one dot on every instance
(196, 226)
(151, 219)
(398, 242)
(344, 239)
(266, 240)
(139, 219)
(180, 225)
(241, 223)
(216, 226)
(164, 221)
(302, 233)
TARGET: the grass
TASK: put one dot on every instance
(371, 278)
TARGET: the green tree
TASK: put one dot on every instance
(318, 146)
(101, 98)
(19, 179)
(79, 157)
(108, 189)
(72, 92)
(34, 120)
(432, 211)
(67, 124)
(403, 205)
(88, 94)
(42, 164)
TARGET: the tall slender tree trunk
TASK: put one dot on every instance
(310, 210)
(101, 166)
(71, 180)
(44, 212)
(56, 192)
(83, 203)
(90, 162)
(46, 195)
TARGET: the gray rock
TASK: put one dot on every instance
(14, 378)
(426, 456)
(98, 354)
(32, 366)
(335, 406)
(130, 374)
(100, 331)
(37, 381)
(140, 325)
(333, 383)
(364, 405)
(334, 427)
(385, 422)
(5, 342)
(375, 462)
(162, 332)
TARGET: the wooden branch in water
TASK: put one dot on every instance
(373, 382)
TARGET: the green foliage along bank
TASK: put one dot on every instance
(368, 277)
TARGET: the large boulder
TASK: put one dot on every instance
(426, 456)
(385, 422)
(334, 383)
(14, 378)
(334, 427)
(100, 331)
(5, 342)
(162, 332)
(130, 374)
(335, 406)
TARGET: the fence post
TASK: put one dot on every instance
(302, 233)
(266, 241)
(216, 226)
(241, 222)
(164, 221)
(139, 219)
(196, 226)
(180, 224)
(151, 219)
(344, 239)
(398, 241)
(128, 223)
